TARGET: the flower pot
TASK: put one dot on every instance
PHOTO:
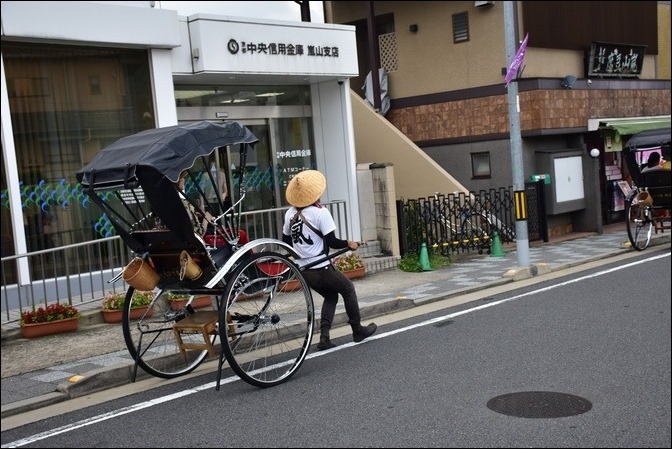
(356, 273)
(114, 316)
(197, 303)
(49, 328)
(272, 268)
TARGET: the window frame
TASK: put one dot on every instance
(476, 161)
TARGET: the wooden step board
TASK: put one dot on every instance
(202, 322)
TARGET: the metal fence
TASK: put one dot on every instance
(456, 222)
(79, 274)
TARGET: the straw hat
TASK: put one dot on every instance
(305, 188)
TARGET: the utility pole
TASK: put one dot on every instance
(305, 10)
(522, 238)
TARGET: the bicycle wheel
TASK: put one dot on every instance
(266, 328)
(639, 223)
(152, 342)
(476, 236)
(484, 234)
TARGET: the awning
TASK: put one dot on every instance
(631, 125)
(634, 126)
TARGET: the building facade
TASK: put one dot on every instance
(594, 73)
(77, 76)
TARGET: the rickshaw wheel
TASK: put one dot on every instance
(151, 341)
(639, 223)
(265, 327)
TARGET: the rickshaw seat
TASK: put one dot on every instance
(657, 178)
(659, 184)
(219, 240)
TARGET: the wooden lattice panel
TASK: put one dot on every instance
(388, 51)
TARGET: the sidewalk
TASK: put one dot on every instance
(43, 371)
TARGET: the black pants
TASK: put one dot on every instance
(329, 283)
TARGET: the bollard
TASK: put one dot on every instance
(497, 250)
(424, 259)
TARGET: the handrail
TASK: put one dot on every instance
(79, 274)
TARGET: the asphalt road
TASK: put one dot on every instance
(590, 348)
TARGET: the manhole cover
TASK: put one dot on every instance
(539, 404)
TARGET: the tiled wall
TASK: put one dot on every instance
(540, 109)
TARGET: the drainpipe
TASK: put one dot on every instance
(373, 54)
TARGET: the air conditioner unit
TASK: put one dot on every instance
(483, 4)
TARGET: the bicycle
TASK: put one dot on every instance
(639, 221)
(264, 330)
(649, 202)
(474, 230)
(490, 213)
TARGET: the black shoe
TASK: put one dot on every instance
(364, 332)
(325, 344)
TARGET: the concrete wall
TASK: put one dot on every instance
(367, 205)
(429, 61)
(378, 207)
(386, 207)
(377, 141)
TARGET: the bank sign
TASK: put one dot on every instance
(273, 47)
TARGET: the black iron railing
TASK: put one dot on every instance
(457, 222)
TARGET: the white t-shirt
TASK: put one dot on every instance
(308, 245)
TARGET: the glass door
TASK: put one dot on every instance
(273, 162)
(259, 174)
(293, 151)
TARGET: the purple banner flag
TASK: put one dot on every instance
(517, 61)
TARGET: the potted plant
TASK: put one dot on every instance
(351, 265)
(113, 304)
(290, 286)
(52, 319)
(178, 301)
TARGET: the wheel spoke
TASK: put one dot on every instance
(152, 342)
(266, 330)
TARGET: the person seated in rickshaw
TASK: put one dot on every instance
(203, 222)
(666, 157)
(653, 163)
(199, 219)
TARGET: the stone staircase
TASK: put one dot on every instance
(374, 259)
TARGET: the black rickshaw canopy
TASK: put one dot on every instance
(647, 139)
(149, 163)
(168, 150)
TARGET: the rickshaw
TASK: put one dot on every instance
(264, 328)
(648, 201)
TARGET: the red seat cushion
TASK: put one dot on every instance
(219, 240)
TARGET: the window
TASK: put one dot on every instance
(62, 116)
(480, 165)
(460, 27)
